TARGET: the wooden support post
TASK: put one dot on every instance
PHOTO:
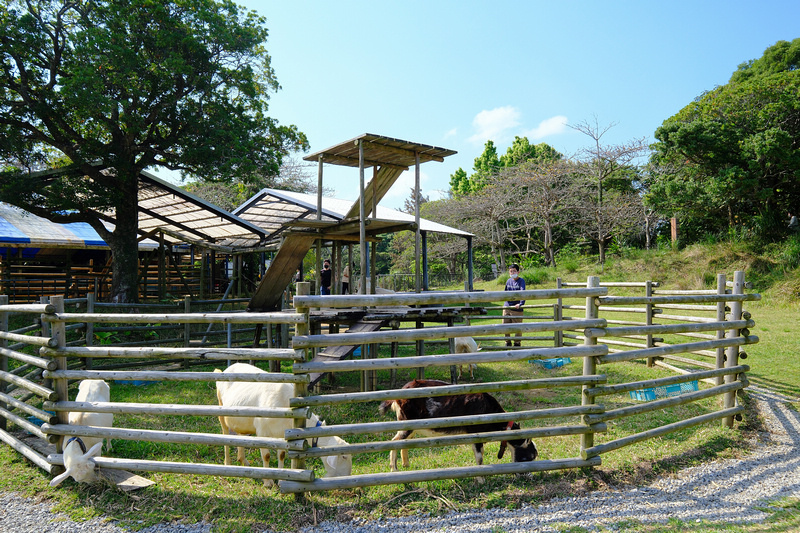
(732, 354)
(301, 389)
(59, 333)
(720, 355)
(451, 346)
(589, 362)
(213, 283)
(187, 329)
(425, 279)
(336, 264)
(203, 279)
(470, 270)
(420, 351)
(373, 374)
(393, 354)
(3, 358)
(362, 228)
(648, 292)
(558, 313)
(162, 268)
(373, 271)
(417, 238)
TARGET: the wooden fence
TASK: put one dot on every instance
(39, 381)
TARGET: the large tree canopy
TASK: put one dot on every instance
(110, 88)
(732, 156)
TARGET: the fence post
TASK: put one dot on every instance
(3, 358)
(720, 360)
(589, 362)
(420, 351)
(558, 315)
(648, 292)
(451, 348)
(733, 351)
(45, 330)
(187, 328)
(89, 326)
(301, 389)
(58, 331)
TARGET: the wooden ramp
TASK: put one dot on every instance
(337, 353)
(280, 272)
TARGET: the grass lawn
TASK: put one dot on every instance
(244, 504)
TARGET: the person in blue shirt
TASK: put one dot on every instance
(512, 309)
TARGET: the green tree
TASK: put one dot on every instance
(783, 56)
(734, 153)
(521, 151)
(112, 88)
(486, 166)
(459, 182)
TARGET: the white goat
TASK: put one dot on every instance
(260, 394)
(467, 345)
(78, 461)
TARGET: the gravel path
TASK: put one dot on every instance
(730, 490)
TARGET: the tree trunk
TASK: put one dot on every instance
(601, 246)
(124, 245)
(549, 254)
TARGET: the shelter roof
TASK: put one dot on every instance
(380, 151)
(187, 218)
(278, 211)
(21, 229)
(183, 217)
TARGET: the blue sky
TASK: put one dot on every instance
(456, 73)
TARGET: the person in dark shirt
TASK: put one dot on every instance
(512, 309)
(325, 278)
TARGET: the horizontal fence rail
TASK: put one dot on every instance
(700, 343)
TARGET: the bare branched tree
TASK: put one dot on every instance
(547, 203)
(295, 175)
(602, 168)
(488, 214)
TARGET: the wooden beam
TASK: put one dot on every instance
(403, 151)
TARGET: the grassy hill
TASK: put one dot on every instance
(773, 269)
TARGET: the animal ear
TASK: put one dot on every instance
(59, 478)
(330, 460)
(502, 450)
(94, 451)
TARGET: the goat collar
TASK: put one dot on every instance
(510, 424)
(79, 441)
(316, 439)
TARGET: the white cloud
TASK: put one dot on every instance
(493, 124)
(451, 133)
(547, 127)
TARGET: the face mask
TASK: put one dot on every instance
(514, 276)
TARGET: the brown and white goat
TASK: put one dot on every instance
(522, 450)
(78, 461)
(263, 394)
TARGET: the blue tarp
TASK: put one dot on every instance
(18, 226)
(21, 229)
